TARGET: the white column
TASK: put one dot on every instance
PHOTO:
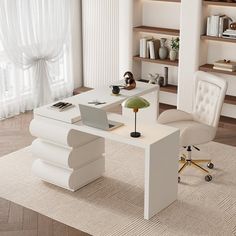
(125, 36)
(100, 42)
(76, 41)
(190, 27)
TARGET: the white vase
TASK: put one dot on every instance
(173, 55)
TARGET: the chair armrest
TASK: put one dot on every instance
(173, 115)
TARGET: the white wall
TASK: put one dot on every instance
(100, 42)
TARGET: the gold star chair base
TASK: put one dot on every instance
(187, 161)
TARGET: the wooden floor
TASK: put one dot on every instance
(16, 220)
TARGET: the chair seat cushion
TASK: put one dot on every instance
(193, 132)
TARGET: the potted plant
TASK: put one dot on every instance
(174, 48)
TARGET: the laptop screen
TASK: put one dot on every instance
(94, 117)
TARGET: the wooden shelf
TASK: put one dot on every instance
(209, 68)
(169, 88)
(168, 0)
(156, 30)
(227, 122)
(157, 61)
(230, 99)
(217, 3)
(212, 38)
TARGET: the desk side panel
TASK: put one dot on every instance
(161, 174)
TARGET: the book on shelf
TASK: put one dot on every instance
(143, 47)
(153, 46)
(216, 25)
(224, 68)
(225, 64)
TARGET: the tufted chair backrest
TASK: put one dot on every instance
(210, 92)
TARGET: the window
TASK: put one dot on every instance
(16, 87)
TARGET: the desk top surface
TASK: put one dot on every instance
(104, 94)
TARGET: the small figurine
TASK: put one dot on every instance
(129, 81)
(153, 78)
(156, 79)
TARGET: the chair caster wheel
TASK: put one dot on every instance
(179, 179)
(210, 165)
(208, 178)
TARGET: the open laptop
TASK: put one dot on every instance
(97, 118)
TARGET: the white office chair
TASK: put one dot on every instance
(200, 126)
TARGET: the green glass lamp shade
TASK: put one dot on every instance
(136, 103)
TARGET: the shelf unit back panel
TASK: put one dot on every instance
(161, 14)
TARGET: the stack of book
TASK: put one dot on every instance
(216, 25)
(149, 48)
(229, 34)
(225, 65)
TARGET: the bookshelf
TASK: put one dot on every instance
(146, 27)
(208, 67)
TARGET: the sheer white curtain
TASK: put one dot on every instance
(34, 58)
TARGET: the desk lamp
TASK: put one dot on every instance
(136, 103)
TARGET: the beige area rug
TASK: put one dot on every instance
(113, 205)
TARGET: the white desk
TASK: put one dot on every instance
(71, 154)
(149, 91)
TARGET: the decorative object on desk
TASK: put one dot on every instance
(225, 65)
(165, 82)
(129, 80)
(115, 89)
(174, 48)
(136, 103)
(163, 50)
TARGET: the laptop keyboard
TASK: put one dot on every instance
(110, 126)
